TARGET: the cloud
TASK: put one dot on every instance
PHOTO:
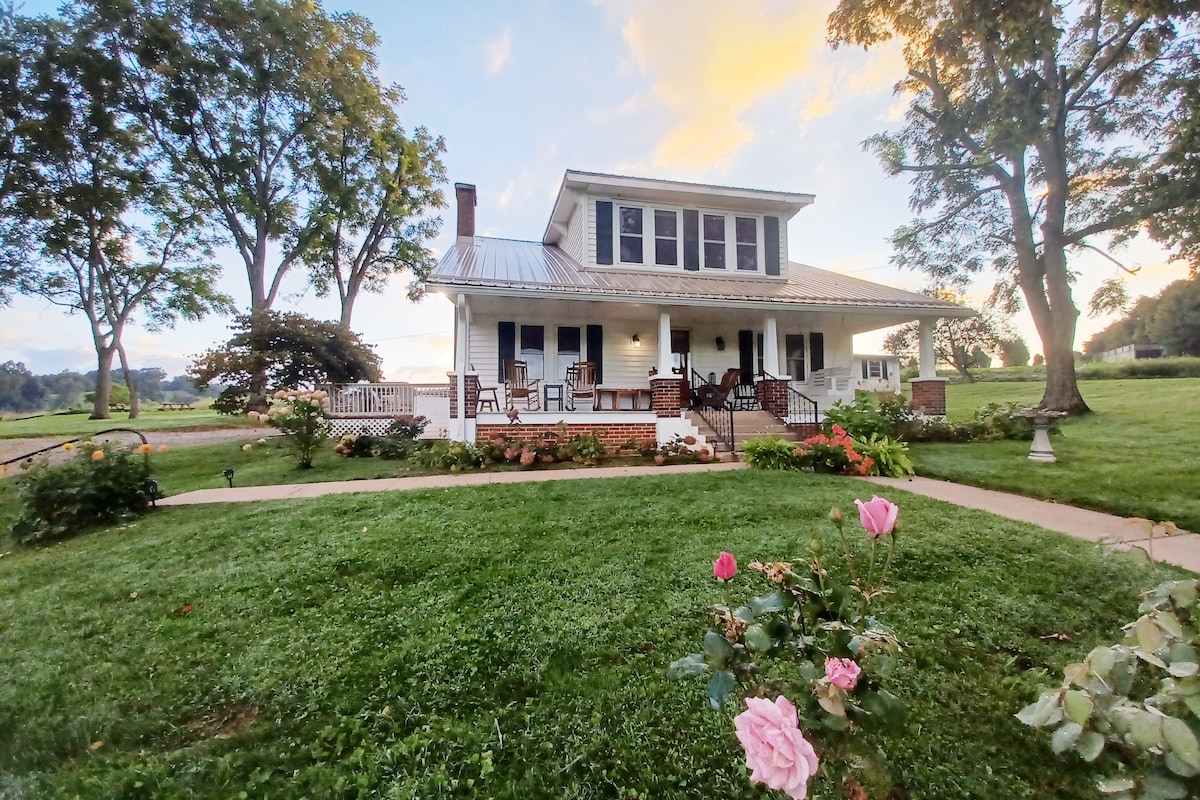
(710, 62)
(499, 51)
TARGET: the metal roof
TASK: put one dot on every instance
(506, 266)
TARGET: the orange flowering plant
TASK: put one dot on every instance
(810, 638)
(833, 453)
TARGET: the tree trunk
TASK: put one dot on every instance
(130, 381)
(104, 359)
(1062, 386)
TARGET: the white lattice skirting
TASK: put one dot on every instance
(375, 427)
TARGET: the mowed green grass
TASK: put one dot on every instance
(509, 641)
(69, 425)
(1137, 455)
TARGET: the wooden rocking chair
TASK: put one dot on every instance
(518, 386)
(581, 384)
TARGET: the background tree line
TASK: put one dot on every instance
(1171, 319)
(22, 391)
(139, 139)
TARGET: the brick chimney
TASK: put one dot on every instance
(465, 192)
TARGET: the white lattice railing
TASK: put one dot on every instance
(378, 400)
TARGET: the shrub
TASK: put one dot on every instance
(231, 400)
(870, 415)
(360, 445)
(1139, 699)
(586, 448)
(300, 416)
(87, 490)
(453, 456)
(834, 453)
(407, 426)
(771, 452)
(889, 456)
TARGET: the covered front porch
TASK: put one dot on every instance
(654, 363)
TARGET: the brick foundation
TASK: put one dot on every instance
(613, 435)
(666, 396)
(929, 396)
(773, 397)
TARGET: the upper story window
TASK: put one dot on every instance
(644, 234)
(666, 238)
(631, 235)
(713, 230)
(746, 233)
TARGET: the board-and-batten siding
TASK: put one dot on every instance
(574, 241)
(624, 365)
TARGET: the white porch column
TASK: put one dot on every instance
(665, 362)
(461, 334)
(928, 361)
(771, 347)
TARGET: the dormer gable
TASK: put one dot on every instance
(617, 222)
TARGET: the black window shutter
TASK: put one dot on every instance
(816, 348)
(691, 239)
(864, 369)
(746, 355)
(883, 367)
(604, 232)
(595, 349)
(771, 243)
(508, 345)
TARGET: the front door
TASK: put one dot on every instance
(681, 363)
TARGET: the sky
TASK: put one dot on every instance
(744, 94)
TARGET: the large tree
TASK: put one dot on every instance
(118, 237)
(246, 98)
(371, 208)
(1036, 129)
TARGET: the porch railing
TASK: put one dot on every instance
(380, 399)
(800, 409)
(717, 417)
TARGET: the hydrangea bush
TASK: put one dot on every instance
(812, 642)
(301, 416)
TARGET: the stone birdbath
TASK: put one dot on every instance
(1041, 420)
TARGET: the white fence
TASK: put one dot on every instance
(373, 406)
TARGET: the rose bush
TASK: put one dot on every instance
(817, 611)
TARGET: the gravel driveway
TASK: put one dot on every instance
(11, 448)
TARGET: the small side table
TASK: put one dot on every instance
(553, 394)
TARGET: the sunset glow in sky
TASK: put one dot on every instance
(745, 94)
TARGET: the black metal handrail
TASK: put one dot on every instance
(718, 416)
(801, 409)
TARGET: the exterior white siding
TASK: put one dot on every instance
(574, 242)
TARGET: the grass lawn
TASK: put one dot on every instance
(1137, 455)
(507, 641)
(68, 425)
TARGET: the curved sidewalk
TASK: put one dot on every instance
(1182, 549)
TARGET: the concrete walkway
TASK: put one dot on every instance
(1182, 549)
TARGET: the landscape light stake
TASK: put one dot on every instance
(228, 473)
(152, 491)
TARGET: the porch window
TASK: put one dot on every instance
(666, 238)
(714, 241)
(533, 349)
(631, 235)
(874, 368)
(793, 344)
(568, 349)
(746, 236)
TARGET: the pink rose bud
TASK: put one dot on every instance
(842, 672)
(777, 754)
(878, 516)
(725, 567)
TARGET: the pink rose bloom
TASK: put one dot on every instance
(777, 754)
(878, 516)
(725, 567)
(842, 672)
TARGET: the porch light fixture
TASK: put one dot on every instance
(637, 340)
(720, 342)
